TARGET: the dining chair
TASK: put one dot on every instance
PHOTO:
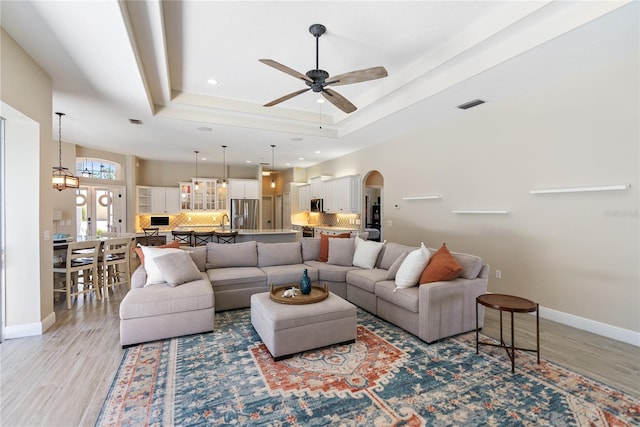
(80, 269)
(115, 266)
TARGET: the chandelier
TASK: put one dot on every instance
(61, 177)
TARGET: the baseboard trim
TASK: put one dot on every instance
(599, 328)
(30, 329)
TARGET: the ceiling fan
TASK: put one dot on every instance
(318, 79)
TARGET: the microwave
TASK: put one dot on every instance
(316, 205)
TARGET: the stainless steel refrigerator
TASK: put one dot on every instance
(244, 214)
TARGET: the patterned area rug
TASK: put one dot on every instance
(386, 378)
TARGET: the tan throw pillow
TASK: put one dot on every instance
(442, 267)
(177, 268)
(324, 244)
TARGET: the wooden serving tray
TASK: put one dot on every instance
(317, 294)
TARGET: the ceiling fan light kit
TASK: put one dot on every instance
(317, 80)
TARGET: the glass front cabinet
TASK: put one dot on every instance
(205, 194)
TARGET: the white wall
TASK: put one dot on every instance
(25, 91)
(576, 254)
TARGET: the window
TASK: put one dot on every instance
(97, 169)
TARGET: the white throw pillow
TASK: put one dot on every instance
(177, 269)
(366, 253)
(413, 265)
(154, 276)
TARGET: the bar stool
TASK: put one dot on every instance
(201, 238)
(226, 236)
(149, 233)
(182, 237)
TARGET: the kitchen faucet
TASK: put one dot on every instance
(222, 221)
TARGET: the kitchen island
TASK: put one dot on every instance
(267, 235)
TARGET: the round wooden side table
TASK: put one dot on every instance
(511, 304)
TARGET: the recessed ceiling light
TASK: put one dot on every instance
(317, 151)
(296, 139)
(204, 158)
(247, 161)
(300, 158)
(320, 100)
(288, 164)
(212, 82)
(204, 129)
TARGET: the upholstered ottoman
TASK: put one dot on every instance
(287, 329)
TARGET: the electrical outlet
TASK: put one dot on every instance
(389, 223)
(498, 274)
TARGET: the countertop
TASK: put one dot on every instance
(251, 232)
(327, 227)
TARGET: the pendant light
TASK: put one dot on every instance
(195, 183)
(273, 166)
(224, 166)
(61, 177)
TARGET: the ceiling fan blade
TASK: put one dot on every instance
(338, 100)
(284, 98)
(285, 69)
(358, 76)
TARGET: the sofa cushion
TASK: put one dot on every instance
(163, 299)
(442, 267)
(341, 252)
(177, 268)
(366, 253)
(391, 252)
(471, 265)
(222, 255)
(154, 276)
(199, 256)
(413, 265)
(288, 274)
(310, 248)
(393, 270)
(330, 273)
(279, 254)
(324, 244)
(407, 298)
(232, 277)
(366, 279)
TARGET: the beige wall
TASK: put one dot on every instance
(25, 91)
(168, 174)
(573, 253)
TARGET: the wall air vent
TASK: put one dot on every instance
(135, 121)
(470, 104)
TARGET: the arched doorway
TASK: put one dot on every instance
(373, 184)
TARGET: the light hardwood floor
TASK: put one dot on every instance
(62, 377)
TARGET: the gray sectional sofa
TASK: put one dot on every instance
(231, 273)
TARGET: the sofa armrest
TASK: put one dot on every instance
(138, 278)
(449, 308)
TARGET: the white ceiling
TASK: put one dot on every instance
(114, 60)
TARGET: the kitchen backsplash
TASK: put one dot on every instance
(183, 219)
(336, 220)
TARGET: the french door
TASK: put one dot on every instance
(101, 209)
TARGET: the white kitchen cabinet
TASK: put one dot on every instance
(244, 189)
(318, 187)
(205, 197)
(158, 200)
(304, 197)
(342, 195)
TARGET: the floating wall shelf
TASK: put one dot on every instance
(581, 189)
(481, 211)
(428, 197)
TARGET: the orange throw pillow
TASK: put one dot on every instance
(442, 266)
(175, 244)
(324, 244)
